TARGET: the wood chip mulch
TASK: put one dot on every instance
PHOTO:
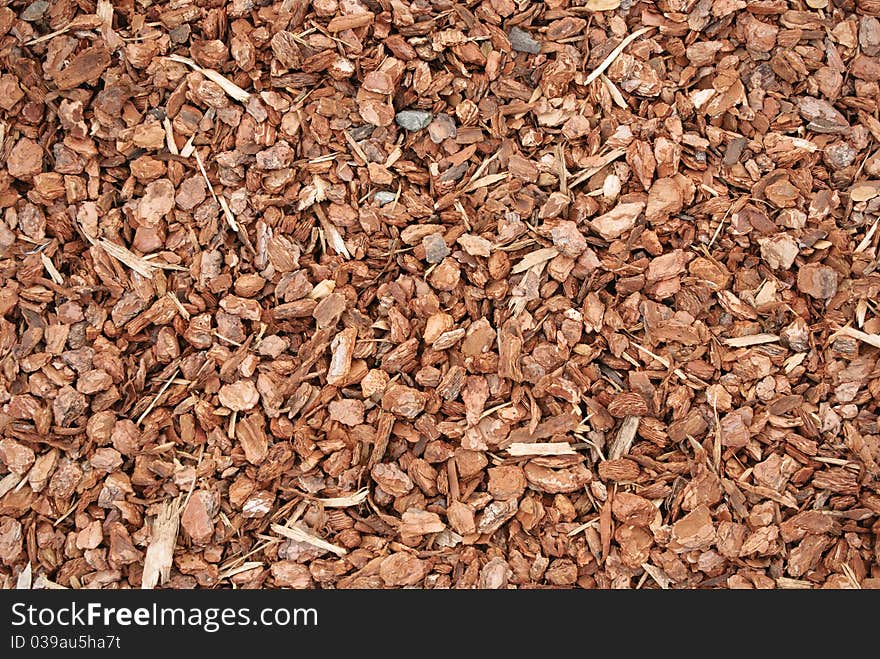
(487, 294)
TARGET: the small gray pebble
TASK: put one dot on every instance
(35, 11)
(413, 120)
(384, 197)
(435, 248)
(840, 155)
(522, 42)
(180, 34)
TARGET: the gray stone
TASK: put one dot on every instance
(180, 34)
(384, 197)
(35, 11)
(413, 120)
(869, 36)
(522, 42)
(840, 155)
(435, 248)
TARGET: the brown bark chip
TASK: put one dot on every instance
(506, 482)
(439, 294)
(196, 517)
(817, 281)
(25, 159)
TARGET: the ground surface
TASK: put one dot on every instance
(378, 293)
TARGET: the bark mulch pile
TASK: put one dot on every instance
(496, 293)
